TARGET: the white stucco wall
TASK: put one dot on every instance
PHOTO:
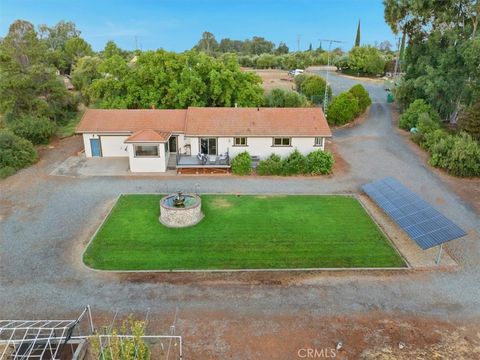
(111, 145)
(260, 146)
(147, 164)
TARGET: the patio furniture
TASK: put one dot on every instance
(223, 159)
(212, 159)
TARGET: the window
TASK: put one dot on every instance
(208, 146)
(240, 141)
(282, 141)
(318, 141)
(146, 150)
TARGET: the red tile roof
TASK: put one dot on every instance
(256, 122)
(197, 121)
(129, 120)
(148, 135)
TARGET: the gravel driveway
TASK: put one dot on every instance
(47, 220)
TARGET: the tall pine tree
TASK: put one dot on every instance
(357, 38)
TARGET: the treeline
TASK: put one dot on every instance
(440, 92)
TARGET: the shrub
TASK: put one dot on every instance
(242, 164)
(15, 152)
(320, 162)
(6, 172)
(270, 166)
(313, 87)
(362, 96)
(458, 154)
(409, 119)
(295, 163)
(343, 109)
(425, 126)
(285, 98)
(36, 130)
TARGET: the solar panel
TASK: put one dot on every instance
(425, 225)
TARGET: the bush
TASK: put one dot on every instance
(295, 163)
(362, 96)
(285, 98)
(242, 164)
(320, 162)
(6, 172)
(270, 166)
(343, 109)
(458, 154)
(313, 87)
(366, 60)
(15, 152)
(425, 126)
(409, 119)
(36, 130)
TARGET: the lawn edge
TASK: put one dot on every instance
(354, 269)
(392, 243)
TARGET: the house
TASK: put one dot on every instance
(200, 139)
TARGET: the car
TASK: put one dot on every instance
(295, 72)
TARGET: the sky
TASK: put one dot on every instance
(177, 25)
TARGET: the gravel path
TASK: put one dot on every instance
(47, 220)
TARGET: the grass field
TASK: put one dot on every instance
(243, 232)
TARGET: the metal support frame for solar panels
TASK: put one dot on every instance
(422, 222)
(36, 339)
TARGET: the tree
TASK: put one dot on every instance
(385, 46)
(282, 48)
(57, 36)
(34, 129)
(28, 83)
(258, 45)
(357, 37)
(285, 98)
(171, 80)
(207, 43)
(84, 72)
(417, 109)
(111, 49)
(469, 120)
(438, 33)
(366, 60)
(76, 48)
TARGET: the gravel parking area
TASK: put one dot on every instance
(47, 220)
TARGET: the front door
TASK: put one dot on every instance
(95, 147)
(208, 146)
(172, 144)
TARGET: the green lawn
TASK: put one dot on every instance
(243, 232)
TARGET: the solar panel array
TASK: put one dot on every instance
(425, 225)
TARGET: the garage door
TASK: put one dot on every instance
(114, 146)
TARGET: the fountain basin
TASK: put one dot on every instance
(174, 216)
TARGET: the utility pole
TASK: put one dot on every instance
(298, 42)
(397, 59)
(325, 99)
(136, 42)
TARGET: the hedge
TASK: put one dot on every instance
(242, 164)
(317, 162)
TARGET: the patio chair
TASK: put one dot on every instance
(212, 159)
(223, 158)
